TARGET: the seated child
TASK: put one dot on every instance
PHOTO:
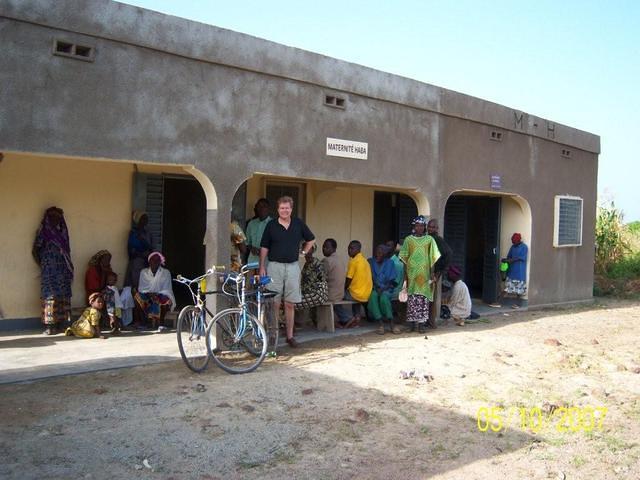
(88, 325)
(111, 297)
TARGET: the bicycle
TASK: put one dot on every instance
(262, 308)
(236, 338)
(193, 322)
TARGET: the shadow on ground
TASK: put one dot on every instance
(278, 422)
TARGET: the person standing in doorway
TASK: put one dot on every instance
(419, 254)
(439, 268)
(516, 283)
(139, 246)
(255, 229)
(280, 245)
(238, 246)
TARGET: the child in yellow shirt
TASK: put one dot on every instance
(88, 325)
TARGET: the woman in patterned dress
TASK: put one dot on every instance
(52, 253)
(313, 282)
(155, 292)
(419, 253)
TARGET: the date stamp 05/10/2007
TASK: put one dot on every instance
(537, 420)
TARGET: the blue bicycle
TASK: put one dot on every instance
(236, 338)
(193, 322)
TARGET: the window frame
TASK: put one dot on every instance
(556, 220)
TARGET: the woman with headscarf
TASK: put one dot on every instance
(155, 293)
(516, 283)
(419, 253)
(95, 279)
(139, 247)
(313, 282)
(52, 252)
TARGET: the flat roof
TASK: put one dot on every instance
(119, 22)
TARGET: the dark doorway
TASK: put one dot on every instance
(392, 216)
(184, 221)
(472, 230)
(293, 190)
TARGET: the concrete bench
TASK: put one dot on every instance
(324, 315)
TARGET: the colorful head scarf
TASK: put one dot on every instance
(419, 220)
(152, 254)
(58, 234)
(454, 271)
(95, 260)
(516, 238)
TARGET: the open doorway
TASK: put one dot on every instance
(177, 210)
(392, 216)
(297, 191)
(472, 230)
(183, 227)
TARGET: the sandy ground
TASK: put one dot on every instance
(339, 409)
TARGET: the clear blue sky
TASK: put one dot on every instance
(573, 62)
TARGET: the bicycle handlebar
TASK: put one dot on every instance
(180, 279)
(249, 266)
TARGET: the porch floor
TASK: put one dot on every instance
(29, 355)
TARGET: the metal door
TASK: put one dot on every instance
(490, 281)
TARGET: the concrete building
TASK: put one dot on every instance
(105, 107)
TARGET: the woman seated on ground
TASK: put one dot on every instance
(95, 279)
(313, 282)
(459, 299)
(155, 293)
(88, 325)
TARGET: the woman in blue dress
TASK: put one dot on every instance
(139, 246)
(516, 282)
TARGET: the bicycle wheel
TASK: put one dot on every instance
(192, 338)
(267, 319)
(270, 322)
(236, 341)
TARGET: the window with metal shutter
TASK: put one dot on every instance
(568, 221)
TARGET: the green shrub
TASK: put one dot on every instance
(634, 228)
(628, 267)
(611, 242)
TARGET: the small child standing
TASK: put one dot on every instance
(112, 301)
(88, 325)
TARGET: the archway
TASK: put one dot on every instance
(478, 226)
(176, 200)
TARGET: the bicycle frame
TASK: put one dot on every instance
(240, 279)
(198, 297)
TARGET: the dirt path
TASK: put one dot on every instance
(339, 409)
